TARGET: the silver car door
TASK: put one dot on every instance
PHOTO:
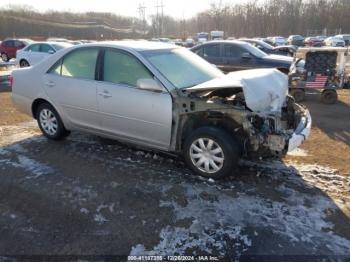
(71, 85)
(138, 115)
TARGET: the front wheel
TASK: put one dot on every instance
(50, 122)
(5, 57)
(329, 96)
(298, 94)
(211, 152)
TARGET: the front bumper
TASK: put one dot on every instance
(302, 132)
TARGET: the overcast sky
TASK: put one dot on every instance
(175, 8)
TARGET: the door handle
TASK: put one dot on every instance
(105, 94)
(50, 84)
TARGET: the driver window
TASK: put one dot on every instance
(233, 51)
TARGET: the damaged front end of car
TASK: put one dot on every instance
(252, 105)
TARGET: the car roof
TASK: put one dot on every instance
(135, 45)
(238, 42)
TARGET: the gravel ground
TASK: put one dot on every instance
(92, 196)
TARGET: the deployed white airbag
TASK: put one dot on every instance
(265, 90)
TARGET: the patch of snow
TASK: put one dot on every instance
(84, 211)
(100, 219)
(138, 250)
(221, 224)
(298, 152)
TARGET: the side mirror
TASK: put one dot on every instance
(149, 85)
(246, 56)
(51, 52)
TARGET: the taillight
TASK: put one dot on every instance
(11, 79)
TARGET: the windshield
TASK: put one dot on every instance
(181, 67)
(263, 44)
(255, 51)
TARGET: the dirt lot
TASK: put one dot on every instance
(328, 145)
(88, 195)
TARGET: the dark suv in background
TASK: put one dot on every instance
(286, 50)
(296, 40)
(238, 55)
(9, 47)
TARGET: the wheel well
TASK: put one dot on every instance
(214, 119)
(284, 70)
(23, 59)
(36, 104)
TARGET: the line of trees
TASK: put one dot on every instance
(252, 18)
(275, 17)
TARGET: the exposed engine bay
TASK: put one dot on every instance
(265, 132)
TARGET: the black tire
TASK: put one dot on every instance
(329, 96)
(5, 57)
(231, 151)
(60, 130)
(24, 63)
(298, 94)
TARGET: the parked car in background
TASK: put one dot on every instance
(179, 42)
(238, 55)
(163, 97)
(334, 41)
(287, 50)
(321, 37)
(345, 37)
(76, 42)
(189, 43)
(296, 40)
(269, 49)
(36, 52)
(278, 40)
(267, 40)
(313, 41)
(9, 47)
(56, 39)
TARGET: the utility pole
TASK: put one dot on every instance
(160, 18)
(142, 15)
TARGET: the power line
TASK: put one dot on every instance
(142, 17)
(160, 17)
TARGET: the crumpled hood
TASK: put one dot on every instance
(265, 90)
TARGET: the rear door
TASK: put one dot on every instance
(71, 86)
(33, 53)
(140, 116)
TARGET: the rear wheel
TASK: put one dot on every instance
(329, 96)
(50, 122)
(298, 94)
(24, 63)
(211, 152)
(5, 57)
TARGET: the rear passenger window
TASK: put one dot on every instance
(80, 64)
(34, 48)
(122, 68)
